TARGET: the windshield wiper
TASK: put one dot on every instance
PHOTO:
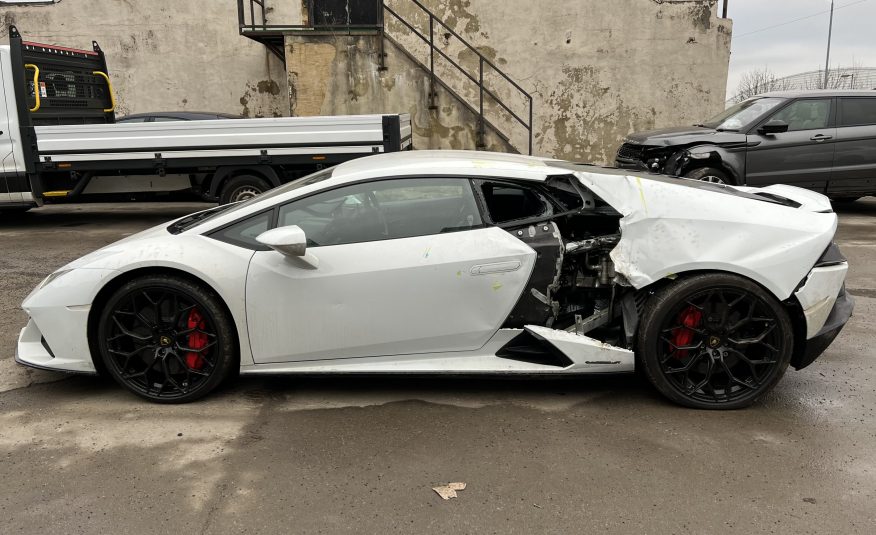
(726, 130)
(701, 125)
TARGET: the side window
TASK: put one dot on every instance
(857, 111)
(507, 202)
(162, 118)
(808, 114)
(384, 210)
(244, 232)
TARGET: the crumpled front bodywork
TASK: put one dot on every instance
(671, 226)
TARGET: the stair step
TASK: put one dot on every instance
(453, 93)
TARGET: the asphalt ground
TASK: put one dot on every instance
(361, 454)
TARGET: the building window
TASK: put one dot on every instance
(344, 13)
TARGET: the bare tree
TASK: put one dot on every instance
(757, 81)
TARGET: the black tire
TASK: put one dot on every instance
(845, 200)
(700, 357)
(166, 339)
(241, 188)
(709, 174)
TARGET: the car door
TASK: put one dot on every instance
(854, 168)
(396, 266)
(802, 156)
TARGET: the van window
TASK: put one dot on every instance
(857, 111)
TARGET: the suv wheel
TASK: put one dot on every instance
(709, 174)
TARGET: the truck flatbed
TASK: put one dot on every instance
(59, 138)
(268, 137)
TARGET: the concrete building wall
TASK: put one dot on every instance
(597, 70)
(166, 54)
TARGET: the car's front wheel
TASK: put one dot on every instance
(714, 341)
(166, 339)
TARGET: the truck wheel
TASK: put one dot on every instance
(709, 174)
(242, 188)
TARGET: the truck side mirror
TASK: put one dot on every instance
(773, 126)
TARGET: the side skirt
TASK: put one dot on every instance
(585, 355)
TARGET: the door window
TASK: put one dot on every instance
(383, 210)
(809, 114)
(507, 202)
(857, 111)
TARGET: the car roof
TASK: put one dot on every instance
(821, 93)
(452, 162)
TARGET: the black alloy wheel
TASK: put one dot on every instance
(715, 341)
(166, 339)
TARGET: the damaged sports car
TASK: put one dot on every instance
(459, 263)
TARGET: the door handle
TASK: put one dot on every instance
(498, 267)
(820, 137)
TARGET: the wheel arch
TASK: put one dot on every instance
(790, 304)
(696, 157)
(123, 278)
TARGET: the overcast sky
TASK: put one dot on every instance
(792, 47)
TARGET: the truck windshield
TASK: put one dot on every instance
(743, 114)
(195, 219)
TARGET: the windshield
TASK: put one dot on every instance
(193, 220)
(742, 114)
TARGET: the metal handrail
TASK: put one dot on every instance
(250, 27)
(482, 60)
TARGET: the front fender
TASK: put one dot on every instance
(731, 161)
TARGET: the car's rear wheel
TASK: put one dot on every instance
(166, 339)
(242, 188)
(709, 174)
(714, 341)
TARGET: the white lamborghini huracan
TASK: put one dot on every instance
(459, 263)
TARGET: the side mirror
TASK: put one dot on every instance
(290, 240)
(773, 126)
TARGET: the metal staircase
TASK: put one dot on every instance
(476, 89)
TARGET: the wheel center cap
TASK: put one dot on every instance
(164, 341)
(714, 341)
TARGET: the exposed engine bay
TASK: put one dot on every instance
(574, 285)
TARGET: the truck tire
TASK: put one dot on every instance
(709, 174)
(242, 188)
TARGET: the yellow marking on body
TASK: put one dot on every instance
(642, 194)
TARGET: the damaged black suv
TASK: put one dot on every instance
(820, 140)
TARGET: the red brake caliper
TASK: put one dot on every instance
(197, 339)
(682, 336)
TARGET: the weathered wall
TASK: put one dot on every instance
(165, 54)
(337, 75)
(596, 70)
